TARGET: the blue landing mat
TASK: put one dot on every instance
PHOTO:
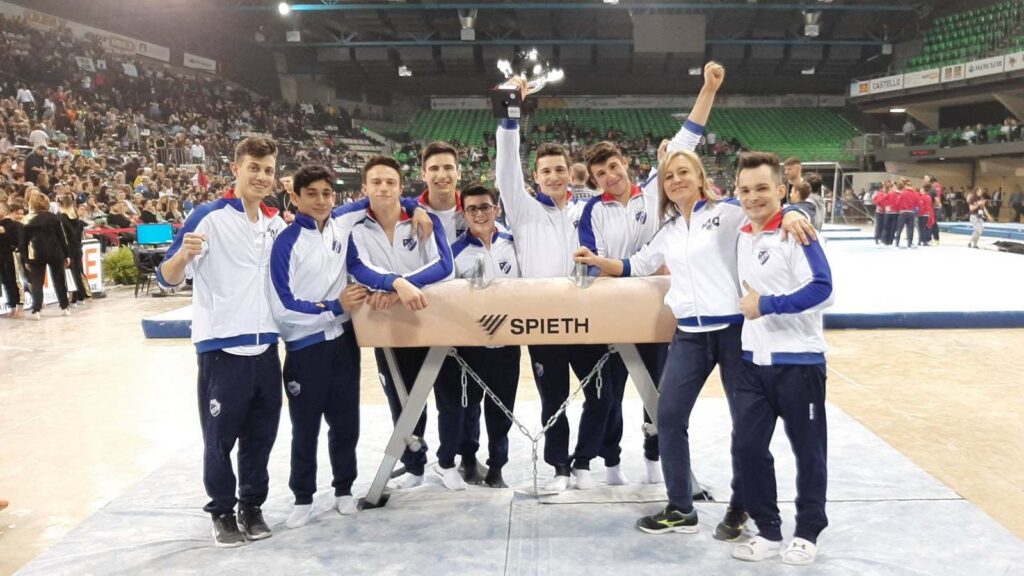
(1008, 231)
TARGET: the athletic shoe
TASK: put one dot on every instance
(494, 479)
(614, 476)
(405, 481)
(669, 520)
(226, 533)
(756, 549)
(800, 552)
(731, 527)
(299, 516)
(346, 505)
(450, 478)
(584, 481)
(35, 316)
(470, 471)
(560, 483)
(250, 520)
(66, 312)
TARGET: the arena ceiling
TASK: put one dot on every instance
(360, 45)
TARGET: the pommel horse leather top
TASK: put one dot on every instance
(525, 311)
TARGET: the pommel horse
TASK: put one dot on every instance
(517, 312)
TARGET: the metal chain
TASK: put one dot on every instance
(595, 372)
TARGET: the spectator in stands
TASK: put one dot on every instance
(74, 232)
(579, 188)
(908, 131)
(117, 218)
(173, 214)
(10, 239)
(26, 100)
(996, 204)
(1017, 203)
(35, 164)
(39, 137)
(149, 215)
(977, 203)
(43, 246)
(198, 152)
(969, 136)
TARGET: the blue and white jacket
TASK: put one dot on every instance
(795, 283)
(546, 236)
(376, 263)
(701, 257)
(499, 261)
(613, 230)
(230, 310)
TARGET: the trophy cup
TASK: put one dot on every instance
(506, 99)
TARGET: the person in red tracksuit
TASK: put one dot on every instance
(907, 207)
(925, 216)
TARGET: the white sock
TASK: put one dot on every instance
(654, 474)
(299, 516)
(557, 484)
(614, 476)
(583, 479)
(406, 480)
(451, 478)
(346, 505)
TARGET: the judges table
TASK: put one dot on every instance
(619, 312)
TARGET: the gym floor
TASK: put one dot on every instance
(90, 408)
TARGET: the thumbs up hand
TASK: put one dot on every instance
(750, 303)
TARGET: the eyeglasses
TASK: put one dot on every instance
(479, 209)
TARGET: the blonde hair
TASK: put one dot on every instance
(38, 202)
(666, 208)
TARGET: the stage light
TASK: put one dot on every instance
(808, 71)
(695, 71)
(284, 8)
(404, 72)
(897, 110)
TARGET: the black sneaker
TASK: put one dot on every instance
(226, 533)
(250, 520)
(731, 527)
(470, 471)
(669, 521)
(494, 479)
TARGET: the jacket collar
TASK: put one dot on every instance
(773, 225)
(424, 200)
(634, 191)
(402, 215)
(549, 201)
(477, 242)
(236, 202)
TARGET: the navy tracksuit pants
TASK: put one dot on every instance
(458, 427)
(322, 383)
(409, 361)
(691, 358)
(795, 393)
(653, 356)
(924, 233)
(551, 365)
(239, 401)
(889, 234)
(879, 227)
(905, 221)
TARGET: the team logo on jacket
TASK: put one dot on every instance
(409, 243)
(214, 407)
(713, 223)
(505, 265)
(337, 246)
(641, 216)
(491, 322)
(762, 256)
(294, 388)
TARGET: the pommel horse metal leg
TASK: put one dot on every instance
(649, 395)
(411, 411)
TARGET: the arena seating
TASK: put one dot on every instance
(972, 34)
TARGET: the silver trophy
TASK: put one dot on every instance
(506, 99)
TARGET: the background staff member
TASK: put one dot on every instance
(498, 367)
(10, 239)
(43, 246)
(385, 255)
(225, 247)
(786, 287)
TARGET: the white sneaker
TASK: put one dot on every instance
(800, 552)
(614, 476)
(299, 516)
(451, 478)
(583, 479)
(66, 312)
(35, 316)
(346, 505)
(756, 549)
(557, 484)
(406, 481)
(654, 474)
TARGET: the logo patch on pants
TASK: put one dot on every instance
(214, 407)
(538, 369)
(294, 388)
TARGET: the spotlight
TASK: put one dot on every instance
(284, 8)
(808, 71)
(404, 72)
(897, 110)
(695, 71)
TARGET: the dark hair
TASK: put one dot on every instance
(814, 181)
(750, 160)
(601, 152)
(479, 190)
(383, 161)
(306, 175)
(256, 147)
(803, 190)
(791, 161)
(438, 147)
(551, 149)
